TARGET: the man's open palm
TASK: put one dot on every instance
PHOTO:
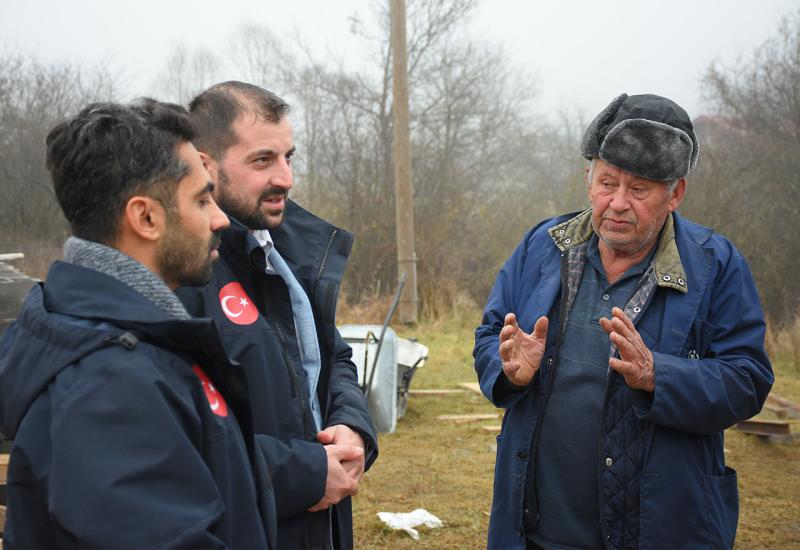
(520, 352)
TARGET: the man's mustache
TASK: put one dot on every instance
(216, 240)
(275, 192)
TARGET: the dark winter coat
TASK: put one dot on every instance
(261, 337)
(124, 426)
(663, 478)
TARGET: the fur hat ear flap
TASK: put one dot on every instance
(597, 130)
(695, 151)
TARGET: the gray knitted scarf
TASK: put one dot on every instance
(110, 261)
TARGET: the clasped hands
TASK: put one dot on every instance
(522, 353)
(345, 451)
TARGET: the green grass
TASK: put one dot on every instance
(448, 468)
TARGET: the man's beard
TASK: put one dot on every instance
(184, 259)
(251, 216)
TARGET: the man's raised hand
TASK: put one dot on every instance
(521, 353)
(635, 361)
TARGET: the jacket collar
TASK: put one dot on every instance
(306, 242)
(88, 294)
(667, 264)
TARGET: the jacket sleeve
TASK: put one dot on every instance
(299, 470)
(348, 405)
(126, 470)
(502, 300)
(729, 380)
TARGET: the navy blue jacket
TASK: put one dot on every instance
(116, 440)
(263, 341)
(663, 478)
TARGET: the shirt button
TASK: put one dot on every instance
(606, 296)
(609, 462)
(549, 360)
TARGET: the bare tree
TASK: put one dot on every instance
(751, 162)
(34, 97)
(187, 73)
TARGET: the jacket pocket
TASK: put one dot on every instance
(700, 339)
(671, 513)
(722, 508)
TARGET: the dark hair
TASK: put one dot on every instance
(215, 110)
(109, 153)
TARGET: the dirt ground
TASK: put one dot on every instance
(447, 468)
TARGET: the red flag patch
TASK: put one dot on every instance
(237, 305)
(215, 399)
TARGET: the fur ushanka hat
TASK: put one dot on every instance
(646, 135)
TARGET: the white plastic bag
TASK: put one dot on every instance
(408, 520)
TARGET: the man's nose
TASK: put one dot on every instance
(219, 220)
(620, 200)
(282, 177)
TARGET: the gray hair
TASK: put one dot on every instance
(671, 185)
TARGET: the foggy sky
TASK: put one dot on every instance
(581, 53)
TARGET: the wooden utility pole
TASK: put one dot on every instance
(403, 189)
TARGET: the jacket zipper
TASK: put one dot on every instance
(295, 377)
(321, 328)
(324, 261)
(562, 324)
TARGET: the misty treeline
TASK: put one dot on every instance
(486, 164)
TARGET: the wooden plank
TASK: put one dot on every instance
(464, 418)
(3, 468)
(782, 407)
(471, 386)
(765, 427)
(12, 256)
(492, 429)
(434, 393)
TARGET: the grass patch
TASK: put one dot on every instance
(448, 468)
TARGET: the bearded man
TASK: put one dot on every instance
(273, 294)
(123, 409)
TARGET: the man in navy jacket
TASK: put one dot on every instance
(622, 341)
(273, 294)
(123, 409)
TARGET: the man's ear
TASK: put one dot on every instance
(211, 165)
(144, 218)
(677, 195)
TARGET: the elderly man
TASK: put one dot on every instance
(273, 294)
(123, 409)
(622, 341)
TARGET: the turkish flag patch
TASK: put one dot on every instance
(215, 399)
(237, 305)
